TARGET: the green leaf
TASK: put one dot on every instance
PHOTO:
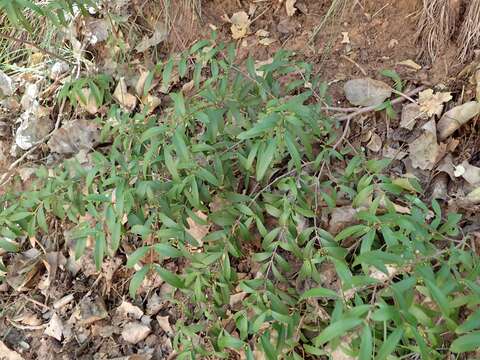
(19, 216)
(268, 347)
(292, 149)
(137, 280)
(135, 257)
(465, 343)
(42, 222)
(319, 292)
(336, 330)
(170, 277)
(99, 251)
(390, 344)
(9, 245)
(166, 250)
(472, 323)
(265, 159)
(227, 341)
(267, 123)
(366, 344)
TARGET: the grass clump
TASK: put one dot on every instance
(250, 162)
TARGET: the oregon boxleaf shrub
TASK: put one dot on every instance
(250, 154)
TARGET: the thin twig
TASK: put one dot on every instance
(42, 50)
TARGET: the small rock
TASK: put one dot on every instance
(6, 85)
(154, 304)
(134, 332)
(29, 97)
(35, 125)
(96, 30)
(58, 69)
(341, 218)
(74, 136)
(89, 311)
(366, 92)
(8, 354)
(4, 129)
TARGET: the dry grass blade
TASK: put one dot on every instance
(436, 26)
(469, 38)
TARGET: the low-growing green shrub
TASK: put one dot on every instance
(250, 159)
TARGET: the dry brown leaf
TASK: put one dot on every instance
(134, 332)
(91, 105)
(469, 172)
(160, 35)
(128, 310)
(410, 114)
(266, 41)
(123, 97)
(198, 231)
(262, 33)
(290, 7)
(432, 104)
(381, 276)
(425, 151)
(55, 327)
(240, 25)
(375, 143)
(456, 117)
(165, 324)
(7, 354)
(411, 64)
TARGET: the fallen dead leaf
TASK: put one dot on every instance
(290, 7)
(123, 97)
(90, 104)
(425, 151)
(135, 331)
(7, 354)
(160, 34)
(164, 323)
(381, 276)
(266, 41)
(55, 327)
(128, 310)
(411, 64)
(410, 114)
(262, 33)
(469, 172)
(6, 85)
(198, 231)
(240, 25)
(375, 143)
(432, 104)
(474, 196)
(456, 117)
(90, 310)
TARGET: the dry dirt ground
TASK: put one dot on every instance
(359, 40)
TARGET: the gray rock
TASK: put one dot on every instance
(73, 137)
(35, 125)
(366, 92)
(6, 85)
